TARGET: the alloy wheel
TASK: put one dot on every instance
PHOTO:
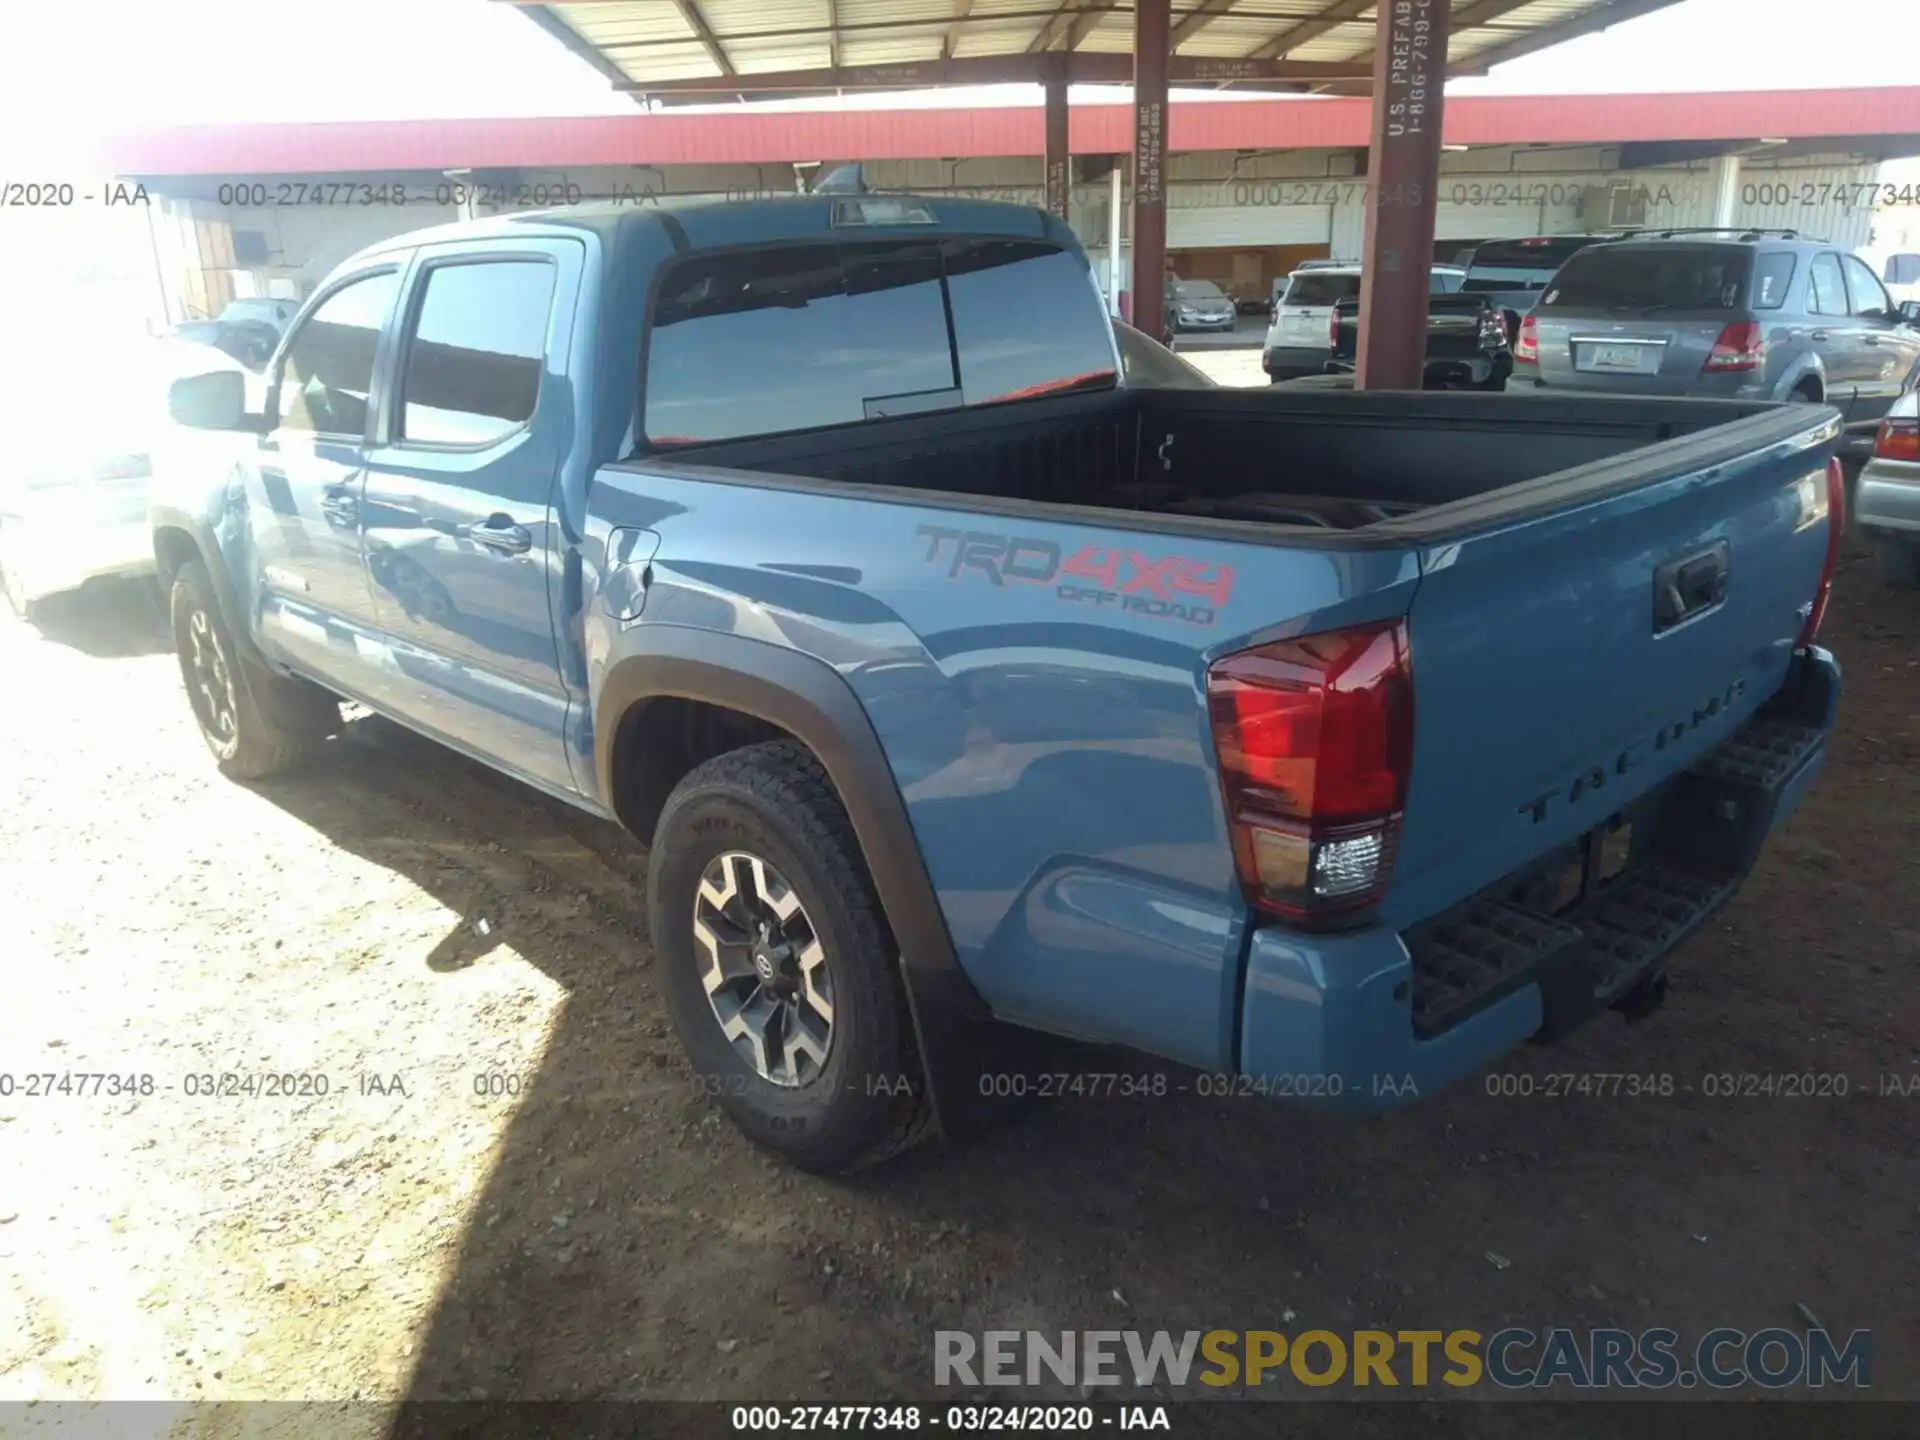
(764, 969)
(210, 680)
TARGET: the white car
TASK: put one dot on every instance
(1886, 501)
(1901, 273)
(1299, 339)
(79, 443)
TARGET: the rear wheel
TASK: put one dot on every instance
(1897, 560)
(254, 721)
(779, 971)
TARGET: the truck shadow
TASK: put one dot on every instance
(628, 1244)
(108, 619)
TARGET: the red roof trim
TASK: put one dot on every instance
(714, 138)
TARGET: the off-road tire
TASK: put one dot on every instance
(278, 721)
(775, 802)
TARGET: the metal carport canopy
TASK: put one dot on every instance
(1400, 51)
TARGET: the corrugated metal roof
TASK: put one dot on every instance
(692, 49)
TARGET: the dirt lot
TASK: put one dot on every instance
(409, 927)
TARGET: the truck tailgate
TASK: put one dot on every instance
(1620, 621)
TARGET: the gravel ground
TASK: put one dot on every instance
(509, 1188)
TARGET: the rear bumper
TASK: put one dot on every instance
(1449, 372)
(1888, 497)
(1525, 380)
(1374, 1020)
(1284, 362)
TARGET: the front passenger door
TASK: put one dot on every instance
(303, 493)
(1889, 348)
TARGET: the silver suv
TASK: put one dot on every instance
(1746, 314)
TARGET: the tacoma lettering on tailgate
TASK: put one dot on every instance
(1165, 588)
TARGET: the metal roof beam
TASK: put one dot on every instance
(1083, 68)
(575, 44)
(1476, 16)
(1209, 11)
(1337, 14)
(696, 22)
(1044, 36)
(1614, 13)
(852, 27)
(1084, 26)
(960, 9)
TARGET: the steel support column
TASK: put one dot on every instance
(1403, 181)
(1151, 23)
(1059, 167)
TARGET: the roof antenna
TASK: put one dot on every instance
(844, 180)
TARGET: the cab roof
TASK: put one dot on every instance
(715, 222)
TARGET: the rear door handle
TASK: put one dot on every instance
(1873, 339)
(499, 533)
(342, 510)
(1818, 335)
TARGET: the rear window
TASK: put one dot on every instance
(1320, 288)
(1519, 264)
(1648, 277)
(756, 342)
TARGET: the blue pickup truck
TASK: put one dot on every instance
(1335, 743)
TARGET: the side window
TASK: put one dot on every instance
(1772, 277)
(1025, 320)
(479, 342)
(1868, 296)
(328, 370)
(1826, 292)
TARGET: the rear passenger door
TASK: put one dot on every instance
(459, 499)
(1888, 349)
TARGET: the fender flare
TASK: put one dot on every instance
(212, 557)
(953, 1026)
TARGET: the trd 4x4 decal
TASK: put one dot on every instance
(1169, 588)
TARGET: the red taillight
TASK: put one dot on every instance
(1897, 440)
(1315, 739)
(1836, 521)
(1526, 349)
(1333, 329)
(1741, 346)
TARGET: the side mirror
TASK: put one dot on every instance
(1908, 312)
(209, 402)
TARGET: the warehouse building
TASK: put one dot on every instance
(1253, 187)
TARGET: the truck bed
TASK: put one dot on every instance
(1308, 461)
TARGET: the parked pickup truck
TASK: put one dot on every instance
(1467, 346)
(1337, 743)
